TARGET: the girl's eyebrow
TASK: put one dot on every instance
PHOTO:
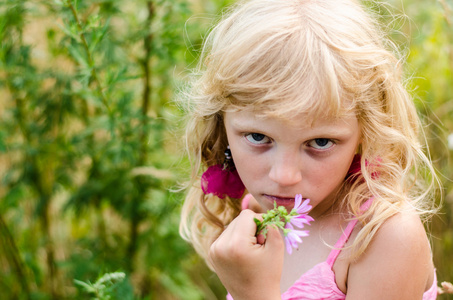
(246, 127)
(330, 130)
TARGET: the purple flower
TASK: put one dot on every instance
(300, 220)
(301, 208)
(293, 237)
(281, 218)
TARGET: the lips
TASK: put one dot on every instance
(281, 201)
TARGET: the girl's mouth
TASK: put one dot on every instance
(281, 201)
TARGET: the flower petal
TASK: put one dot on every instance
(300, 220)
(289, 247)
(298, 200)
(304, 207)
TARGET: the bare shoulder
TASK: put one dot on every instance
(397, 264)
(405, 230)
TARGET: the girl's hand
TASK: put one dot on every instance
(248, 269)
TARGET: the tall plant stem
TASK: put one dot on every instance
(147, 85)
(50, 251)
(44, 200)
(94, 73)
(13, 254)
(135, 207)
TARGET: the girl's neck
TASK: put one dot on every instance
(330, 205)
(322, 209)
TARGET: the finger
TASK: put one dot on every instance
(235, 241)
(239, 232)
(274, 239)
(245, 221)
(260, 239)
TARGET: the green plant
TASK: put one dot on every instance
(87, 147)
(105, 287)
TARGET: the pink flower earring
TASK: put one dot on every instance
(223, 179)
(355, 167)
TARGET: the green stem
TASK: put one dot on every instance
(89, 55)
(147, 84)
(135, 215)
(14, 257)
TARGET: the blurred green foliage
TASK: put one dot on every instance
(89, 153)
(88, 150)
(430, 59)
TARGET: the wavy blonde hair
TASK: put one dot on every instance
(329, 58)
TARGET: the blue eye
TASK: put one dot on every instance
(321, 144)
(257, 138)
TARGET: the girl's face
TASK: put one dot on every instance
(277, 159)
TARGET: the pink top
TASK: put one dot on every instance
(319, 282)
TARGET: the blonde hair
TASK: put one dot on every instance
(327, 58)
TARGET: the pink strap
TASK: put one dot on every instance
(345, 236)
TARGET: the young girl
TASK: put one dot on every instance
(305, 97)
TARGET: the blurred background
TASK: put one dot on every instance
(91, 157)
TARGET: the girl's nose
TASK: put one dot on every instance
(285, 170)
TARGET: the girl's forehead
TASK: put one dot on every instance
(294, 120)
(295, 113)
